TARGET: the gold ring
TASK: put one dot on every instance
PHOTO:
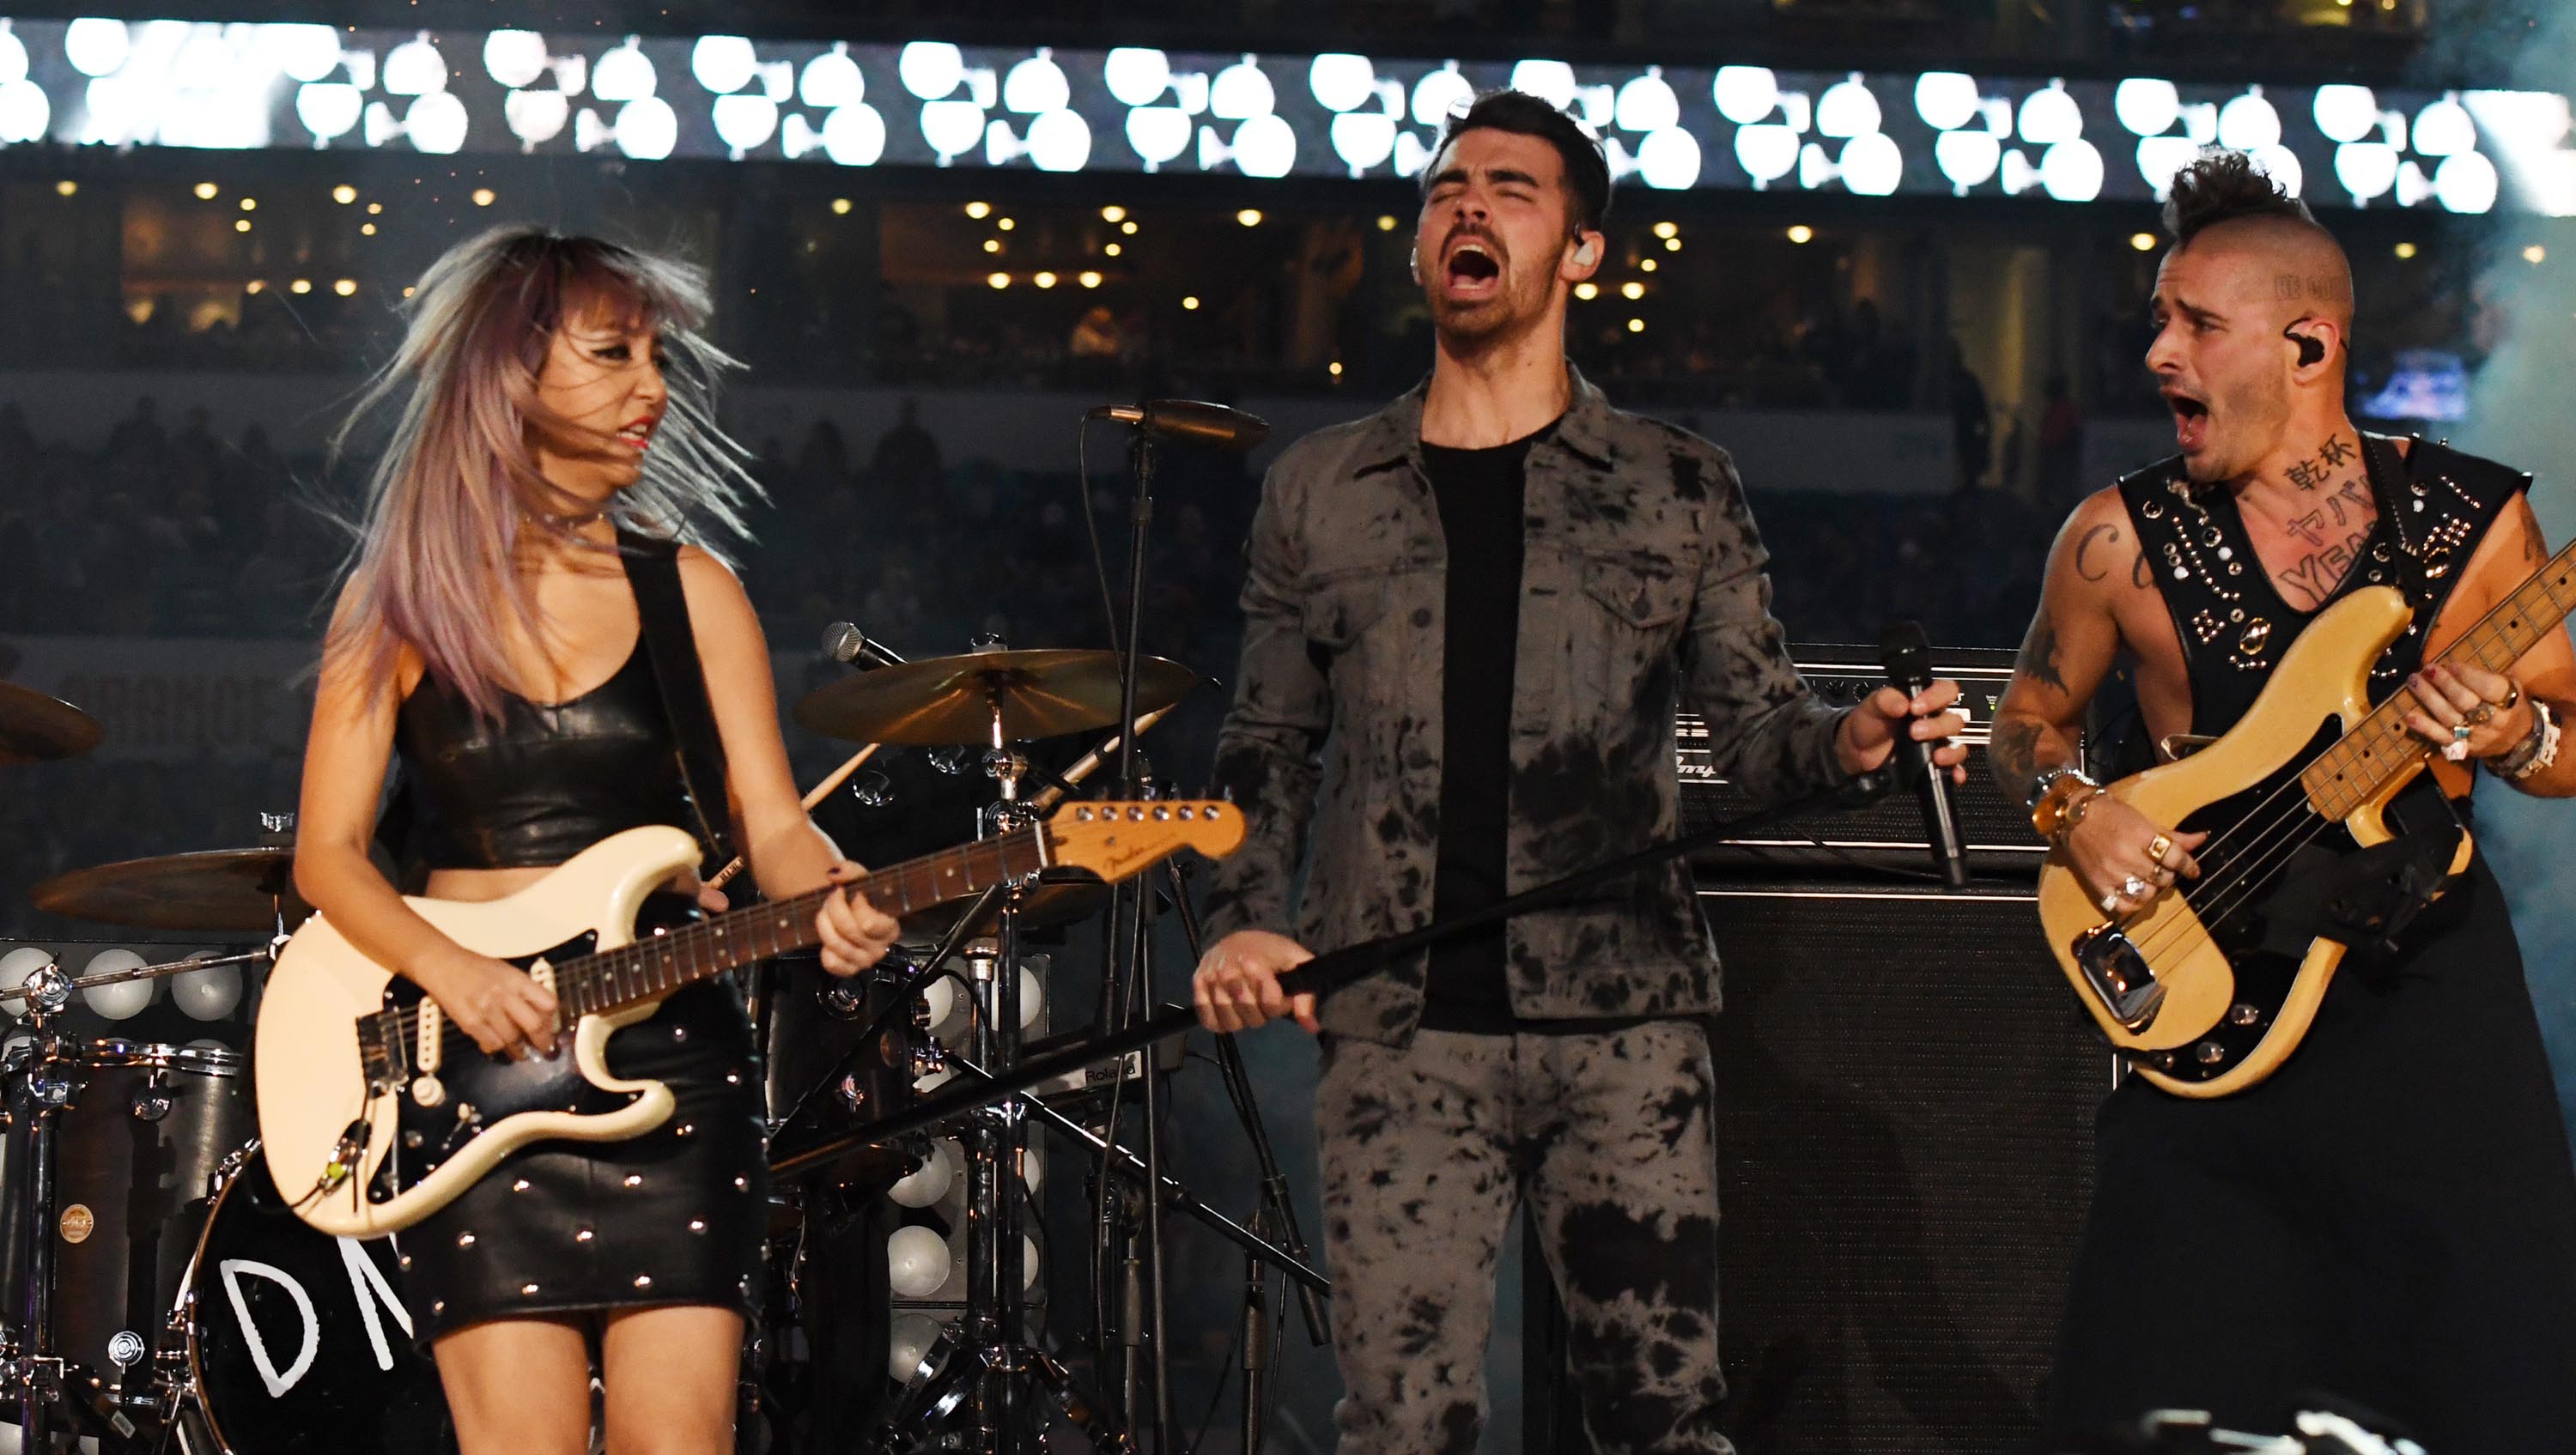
(2158, 847)
(2484, 711)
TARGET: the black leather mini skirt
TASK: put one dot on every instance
(676, 1216)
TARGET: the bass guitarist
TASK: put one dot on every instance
(2390, 1216)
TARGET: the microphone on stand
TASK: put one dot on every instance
(1190, 420)
(845, 643)
(1907, 655)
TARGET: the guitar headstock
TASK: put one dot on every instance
(1116, 838)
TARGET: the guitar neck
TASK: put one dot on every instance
(651, 968)
(2381, 748)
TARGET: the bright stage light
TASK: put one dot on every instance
(1669, 159)
(1036, 85)
(2346, 113)
(2281, 165)
(1872, 166)
(1587, 290)
(1157, 134)
(415, 68)
(514, 58)
(96, 47)
(745, 121)
(122, 999)
(1341, 81)
(1945, 100)
(1967, 158)
(1241, 92)
(930, 69)
(1550, 81)
(1745, 95)
(1801, 234)
(2444, 129)
(2050, 116)
(951, 127)
(437, 123)
(624, 74)
(2249, 123)
(1648, 104)
(2147, 106)
(25, 113)
(916, 1262)
(1766, 151)
(2367, 169)
(2144, 242)
(1438, 94)
(909, 1337)
(344, 194)
(13, 58)
(723, 63)
(2160, 157)
(1043, 279)
(485, 197)
(1137, 75)
(1847, 109)
(1059, 141)
(854, 135)
(1363, 139)
(536, 117)
(2465, 182)
(1087, 278)
(928, 1183)
(2071, 171)
(832, 79)
(305, 52)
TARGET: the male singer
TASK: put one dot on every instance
(1469, 617)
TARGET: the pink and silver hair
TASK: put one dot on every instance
(457, 485)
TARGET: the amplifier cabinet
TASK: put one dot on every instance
(1905, 1099)
(1888, 834)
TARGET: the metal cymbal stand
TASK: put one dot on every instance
(46, 1077)
(982, 1358)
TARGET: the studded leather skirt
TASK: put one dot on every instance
(673, 1217)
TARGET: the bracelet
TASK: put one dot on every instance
(2512, 759)
(2059, 803)
(2539, 750)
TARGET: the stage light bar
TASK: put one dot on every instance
(1341, 114)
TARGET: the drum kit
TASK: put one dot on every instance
(159, 1293)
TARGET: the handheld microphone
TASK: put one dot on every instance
(1190, 420)
(1907, 655)
(845, 643)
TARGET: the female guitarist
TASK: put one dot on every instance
(488, 637)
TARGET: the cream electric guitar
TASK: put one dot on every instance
(350, 1060)
(2185, 990)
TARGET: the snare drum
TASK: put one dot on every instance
(135, 1150)
(298, 1341)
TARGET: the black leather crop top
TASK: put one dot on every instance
(546, 781)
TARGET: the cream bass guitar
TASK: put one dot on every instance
(2193, 991)
(351, 1061)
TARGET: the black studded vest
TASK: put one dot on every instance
(2434, 505)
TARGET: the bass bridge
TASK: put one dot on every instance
(2119, 976)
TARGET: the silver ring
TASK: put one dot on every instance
(2111, 902)
(2134, 887)
(2460, 732)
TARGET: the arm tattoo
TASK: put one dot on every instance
(2014, 751)
(2038, 659)
(2139, 574)
(2085, 546)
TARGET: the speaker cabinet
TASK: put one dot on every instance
(1905, 1093)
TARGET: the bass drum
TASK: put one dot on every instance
(298, 1341)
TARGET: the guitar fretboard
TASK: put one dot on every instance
(2381, 748)
(653, 967)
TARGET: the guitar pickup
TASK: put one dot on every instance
(2119, 976)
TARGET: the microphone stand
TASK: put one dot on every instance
(1325, 973)
(1134, 907)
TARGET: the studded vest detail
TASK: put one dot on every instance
(2434, 505)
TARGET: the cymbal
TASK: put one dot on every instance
(35, 728)
(1060, 896)
(231, 890)
(941, 702)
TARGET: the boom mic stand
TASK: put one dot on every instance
(1325, 973)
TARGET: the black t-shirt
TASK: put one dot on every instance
(1480, 496)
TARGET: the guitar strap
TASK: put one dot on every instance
(653, 567)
